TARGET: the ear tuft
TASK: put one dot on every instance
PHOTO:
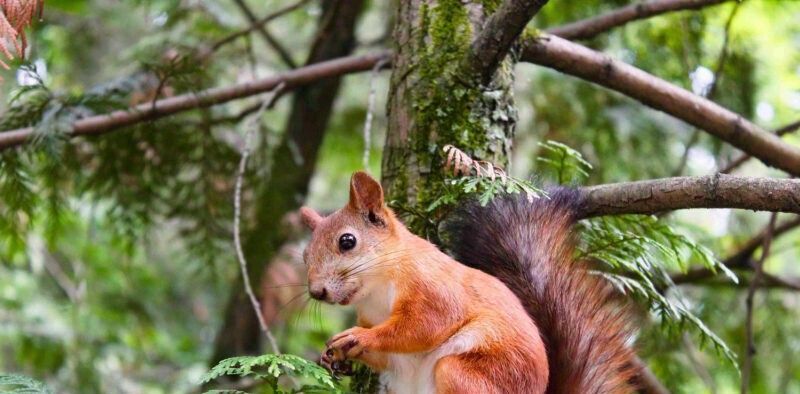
(310, 217)
(366, 196)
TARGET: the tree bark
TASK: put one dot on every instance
(491, 45)
(573, 59)
(443, 91)
(711, 191)
(293, 165)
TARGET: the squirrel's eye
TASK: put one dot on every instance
(347, 241)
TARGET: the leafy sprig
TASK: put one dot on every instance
(270, 367)
(481, 178)
(637, 251)
(566, 163)
(18, 384)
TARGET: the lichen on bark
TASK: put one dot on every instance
(434, 102)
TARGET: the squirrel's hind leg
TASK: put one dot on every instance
(478, 373)
(455, 375)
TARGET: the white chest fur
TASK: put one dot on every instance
(411, 373)
(414, 373)
(376, 306)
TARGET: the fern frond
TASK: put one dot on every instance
(18, 384)
(568, 164)
(270, 367)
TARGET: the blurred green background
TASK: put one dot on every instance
(116, 257)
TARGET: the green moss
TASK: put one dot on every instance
(490, 6)
(531, 33)
(445, 101)
(448, 107)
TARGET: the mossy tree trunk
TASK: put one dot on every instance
(436, 99)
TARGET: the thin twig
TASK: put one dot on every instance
(712, 89)
(750, 352)
(370, 110)
(735, 163)
(53, 267)
(591, 27)
(237, 209)
(741, 258)
(262, 29)
(261, 22)
(700, 368)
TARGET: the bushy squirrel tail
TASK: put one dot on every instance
(529, 246)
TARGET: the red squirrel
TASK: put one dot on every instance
(515, 314)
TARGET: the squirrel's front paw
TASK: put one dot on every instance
(341, 349)
(348, 344)
(335, 364)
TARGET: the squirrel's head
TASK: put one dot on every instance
(347, 254)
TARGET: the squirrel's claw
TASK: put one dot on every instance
(348, 344)
(335, 363)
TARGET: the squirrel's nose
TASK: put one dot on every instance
(318, 293)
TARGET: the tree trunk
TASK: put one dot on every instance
(293, 165)
(436, 100)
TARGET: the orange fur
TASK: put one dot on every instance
(428, 322)
(528, 245)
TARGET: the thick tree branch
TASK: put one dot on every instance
(499, 33)
(154, 110)
(711, 191)
(735, 163)
(591, 27)
(573, 59)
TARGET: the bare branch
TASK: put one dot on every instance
(647, 380)
(751, 292)
(741, 259)
(767, 281)
(735, 163)
(150, 111)
(577, 60)
(261, 22)
(499, 33)
(711, 191)
(591, 27)
(265, 33)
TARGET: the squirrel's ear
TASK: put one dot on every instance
(366, 196)
(310, 217)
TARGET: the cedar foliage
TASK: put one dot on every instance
(15, 16)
